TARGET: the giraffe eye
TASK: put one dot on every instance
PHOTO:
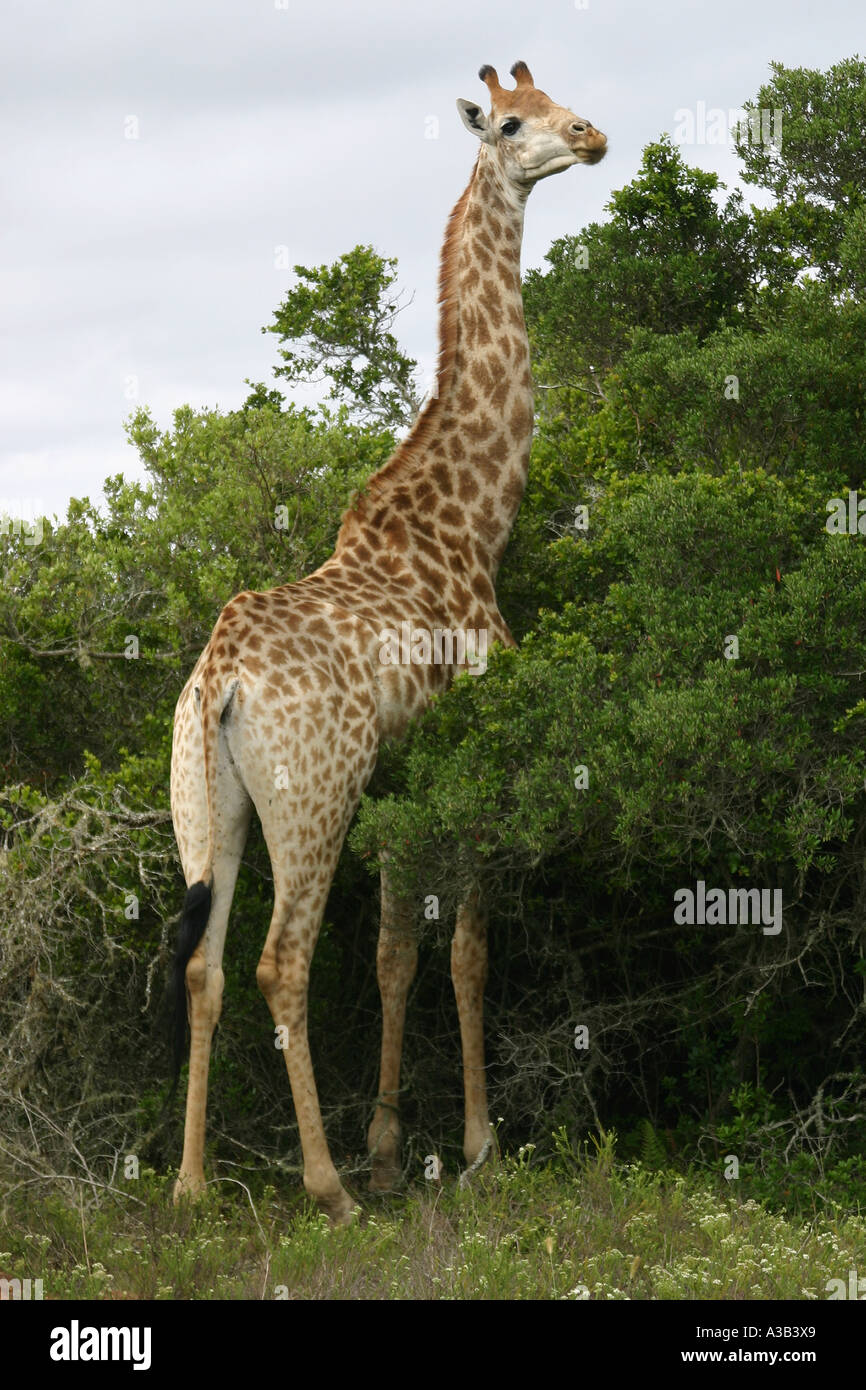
(510, 127)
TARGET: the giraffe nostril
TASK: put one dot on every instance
(579, 128)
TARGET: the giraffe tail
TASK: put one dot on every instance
(197, 903)
(196, 910)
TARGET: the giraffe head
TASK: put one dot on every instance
(528, 135)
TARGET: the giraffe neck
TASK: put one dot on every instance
(485, 427)
(460, 474)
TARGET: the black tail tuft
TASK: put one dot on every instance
(196, 910)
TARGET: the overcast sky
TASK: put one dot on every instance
(148, 264)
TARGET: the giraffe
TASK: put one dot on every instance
(295, 691)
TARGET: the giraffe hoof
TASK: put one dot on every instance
(341, 1210)
(469, 1173)
(386, 1177)
(334, 1201)
(188, 1189)
(383, 1146)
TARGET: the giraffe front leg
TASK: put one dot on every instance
(469, 976)
(396, 962)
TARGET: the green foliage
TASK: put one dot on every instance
(817, 170)
(758, 1133)
(245, 500)
(340, 316)
(669, 259)
(852, 252)
(785, 394)
(577, 1226)
(652, 1151)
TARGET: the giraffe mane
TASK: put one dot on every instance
(406, 455)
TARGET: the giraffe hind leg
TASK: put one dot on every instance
(304, 817)
(283, 977)
(199, 979)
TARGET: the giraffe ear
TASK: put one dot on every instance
(475, 120)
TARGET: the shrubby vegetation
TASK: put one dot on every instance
(701, 373)
(572, 1227)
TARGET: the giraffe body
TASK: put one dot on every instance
(291, 698)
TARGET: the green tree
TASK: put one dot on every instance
(817, 169)
(339, 319)
(822, 150)
(245, 500)
(669, 259)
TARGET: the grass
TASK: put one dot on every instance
(579, 1226)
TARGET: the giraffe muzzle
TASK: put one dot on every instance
(592, 147)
